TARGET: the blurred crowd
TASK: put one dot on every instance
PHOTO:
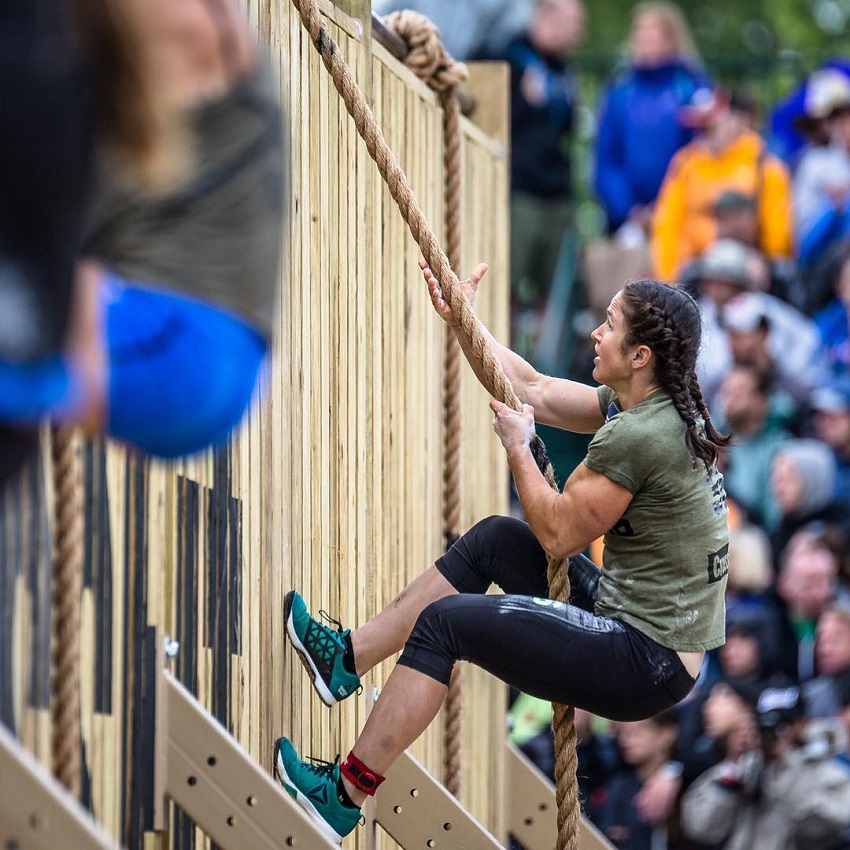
(748, 206)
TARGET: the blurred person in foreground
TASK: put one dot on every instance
(789, 792)
(639, 128)
(176, 295)
(728, 154)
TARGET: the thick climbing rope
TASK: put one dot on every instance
(66, 591)
(452, 419)
(494, 378)
(428, 59)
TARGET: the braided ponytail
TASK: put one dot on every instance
(667, 320)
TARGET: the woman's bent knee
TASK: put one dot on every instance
(430, 648)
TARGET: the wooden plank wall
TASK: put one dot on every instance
(333, 485)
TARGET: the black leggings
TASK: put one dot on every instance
(563, 653)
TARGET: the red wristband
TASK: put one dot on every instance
(360, 776)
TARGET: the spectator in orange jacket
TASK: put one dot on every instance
(728, 155)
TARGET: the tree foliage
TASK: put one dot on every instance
(740, 40)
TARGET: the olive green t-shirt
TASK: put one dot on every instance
(665, 561)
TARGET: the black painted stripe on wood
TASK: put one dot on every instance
(220, 607)
(234, 516)
(9, 565)
(38, 579)
(127, 644)
(137, 790)
(102, 582)
(187, 571)
(144, 734)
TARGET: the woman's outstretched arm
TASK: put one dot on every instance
(559, 402)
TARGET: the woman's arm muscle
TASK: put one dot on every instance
(566, 523)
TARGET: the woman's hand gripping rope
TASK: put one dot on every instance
(469, 287)
(514, 428)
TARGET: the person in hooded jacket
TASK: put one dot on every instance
(802, 481)
(639, 127)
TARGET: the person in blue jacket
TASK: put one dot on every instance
(639, 129)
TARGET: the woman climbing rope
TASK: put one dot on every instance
(631, 642)
(176, 296)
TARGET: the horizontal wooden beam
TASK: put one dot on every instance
(36, 812)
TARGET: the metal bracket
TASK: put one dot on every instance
(532, 813)
(36, 812)
(218, 785)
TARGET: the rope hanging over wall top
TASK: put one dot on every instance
(495, 380)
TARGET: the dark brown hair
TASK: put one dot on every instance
(667, 320)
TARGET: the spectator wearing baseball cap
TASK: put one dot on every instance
(730, 277)
(789, 130)
(751, 334)
(831, 416)
(789, 792)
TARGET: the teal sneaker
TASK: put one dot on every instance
(313, 785)
(320, 649)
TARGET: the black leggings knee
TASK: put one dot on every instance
(564, 653)
(504, 551)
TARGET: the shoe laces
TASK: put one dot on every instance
(325, 616)
(320, 766)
